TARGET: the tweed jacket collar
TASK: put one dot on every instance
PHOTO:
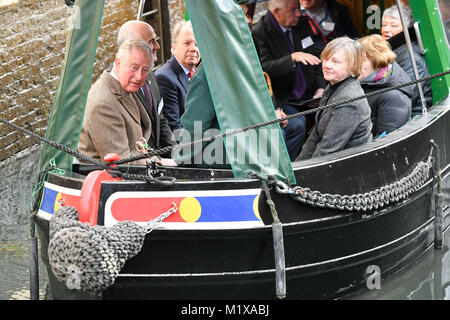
(128, 100)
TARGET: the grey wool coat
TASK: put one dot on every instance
(341, 127)
(113, 120)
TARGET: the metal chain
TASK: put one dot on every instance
(372, 200)
(163, 216)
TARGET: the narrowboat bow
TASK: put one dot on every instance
(328, 229)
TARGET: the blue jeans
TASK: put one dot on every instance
(294, 132)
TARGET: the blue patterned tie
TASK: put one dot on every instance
(148, 96)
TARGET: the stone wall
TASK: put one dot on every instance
(177, 9)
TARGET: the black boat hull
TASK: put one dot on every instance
(322, 262)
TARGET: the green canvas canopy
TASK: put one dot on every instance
(66, 117)
(238, 89)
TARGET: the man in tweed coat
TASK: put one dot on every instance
(115, 118)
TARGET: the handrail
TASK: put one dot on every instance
(140, 9)
(419, 38)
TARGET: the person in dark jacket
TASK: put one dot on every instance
(327, 20)
(291, 63)
(174, 76)
(392, 31)
(347, 125)
(282, 59)
(392, 109)
(200, 116)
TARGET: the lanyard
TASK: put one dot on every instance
(326, 16)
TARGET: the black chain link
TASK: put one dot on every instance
(367, 201)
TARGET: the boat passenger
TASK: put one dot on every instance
(327, 20)
(292, 65)
(392, 109)
(347, 125)
(392, 30)
(115, 119)
(174, 76)
(200, 118)
(249, 12)
(149, 94)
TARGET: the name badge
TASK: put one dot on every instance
(307, 42)
(329, 26)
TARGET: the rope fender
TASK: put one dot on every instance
(90, 258)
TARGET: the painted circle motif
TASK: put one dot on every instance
(255, 207)
(190, 209)
(58, 200)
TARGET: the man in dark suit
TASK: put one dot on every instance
(174, 76)
(291, 60)
(149, 94)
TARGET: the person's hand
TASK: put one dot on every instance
(305, 58)
(318, 93)
(168, 162)
(280, 114)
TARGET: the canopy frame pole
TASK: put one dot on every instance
(411, 55)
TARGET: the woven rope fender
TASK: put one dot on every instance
(90, 258)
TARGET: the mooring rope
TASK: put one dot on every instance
(266, 123)
(277, 237)
(158, 152)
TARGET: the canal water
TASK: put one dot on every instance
(18, 177)
(427, 279)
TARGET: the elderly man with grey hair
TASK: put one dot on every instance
(115, 119)
(174, 76)
(149, 94)
(392, 31)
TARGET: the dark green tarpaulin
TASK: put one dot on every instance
(238, 89)
(66, 118)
